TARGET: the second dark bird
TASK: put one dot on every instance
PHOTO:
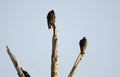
(51, 19)
(25, 73)
(83, 45)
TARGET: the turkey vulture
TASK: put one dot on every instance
(51, 19)
(83, 45)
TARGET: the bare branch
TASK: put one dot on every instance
(54, 56)
(15, 63)
(79, 58)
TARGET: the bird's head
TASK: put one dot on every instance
(52, 11)
(84, 38)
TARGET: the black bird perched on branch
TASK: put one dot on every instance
(25, 73)
(83, 45)
(51, 19)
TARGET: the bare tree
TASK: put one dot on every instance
(54, 55)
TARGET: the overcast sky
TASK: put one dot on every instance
(23, 27)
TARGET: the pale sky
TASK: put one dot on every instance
(23, 27)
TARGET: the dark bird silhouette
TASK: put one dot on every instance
(25, 73)
(83, 45)
(51, 19)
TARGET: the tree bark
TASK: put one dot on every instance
(15, 63)
(54, 56)
(79, 58)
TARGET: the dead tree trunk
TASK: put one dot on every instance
(15, 63)
(54, 56)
